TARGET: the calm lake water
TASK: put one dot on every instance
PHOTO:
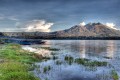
(100, 50)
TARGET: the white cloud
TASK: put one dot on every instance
(111, 25)
(82, 24)
(38, 25)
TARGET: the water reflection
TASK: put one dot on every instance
(110, 49)
(83, 49)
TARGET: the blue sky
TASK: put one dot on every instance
(62, 14)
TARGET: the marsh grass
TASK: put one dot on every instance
(114, 75)
(46, 69)
(17, 63)
(69, 59)
(55, 57)
(87, 62)
(58, 62)
(51, 49)
(53, 53)
(107, 57)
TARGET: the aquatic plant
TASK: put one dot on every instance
(69, 59)
(52, 53)
(46, 68)
(58, 62)
(114, 75)
(55, 57)
(51, 49)
(87, 62)
(107, 57)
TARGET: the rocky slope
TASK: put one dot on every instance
(91, 29)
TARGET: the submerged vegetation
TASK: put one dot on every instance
(69, 59)
(87, 62)
(58, 62)
(114, 75)
(16, 64)
(51, 49)
(46, 68)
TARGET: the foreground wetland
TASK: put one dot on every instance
(61, 60)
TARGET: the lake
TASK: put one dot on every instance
(58, 68)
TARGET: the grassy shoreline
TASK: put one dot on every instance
(16, 63)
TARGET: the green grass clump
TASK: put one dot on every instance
(46, 68)
(69, 59)
(114, 75)
(12, 70)
(16, 63)
(87, 62)
(51, 49)
(81, 61)
(14, 52)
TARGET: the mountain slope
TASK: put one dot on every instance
(89, 30)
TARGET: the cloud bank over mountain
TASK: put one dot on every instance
(38, 25)
(111, 25)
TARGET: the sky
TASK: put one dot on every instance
(53, 15)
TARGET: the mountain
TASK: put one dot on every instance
(89, 30)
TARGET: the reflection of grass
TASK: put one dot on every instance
(90, 68)
(46, 68)
(107, 57)
(53, 53)
(17, 63)
(51, 49)
(87, 62)
(114, 75)
(55, 57)
(58, 62)
(69, 59)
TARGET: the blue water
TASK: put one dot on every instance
(100, 50)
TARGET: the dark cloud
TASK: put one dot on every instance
(61, 12)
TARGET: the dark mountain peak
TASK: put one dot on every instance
(93, 24)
